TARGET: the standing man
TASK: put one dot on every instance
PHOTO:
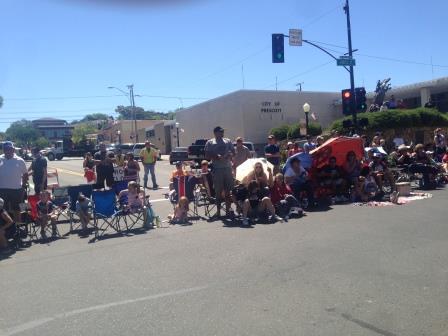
(309, 145)
(149, 155)
(242, 153)
(104, 162)
(12, 174)
(272, 153)
(38, 169)
(220, 151)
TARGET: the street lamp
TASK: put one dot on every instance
(119, 136)
(177, 129)
(306, 109)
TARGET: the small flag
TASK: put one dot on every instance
(313, 116)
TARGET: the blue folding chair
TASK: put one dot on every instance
(104, 212)
(119, 186)
(73, 193)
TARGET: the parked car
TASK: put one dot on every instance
(179, 154)
(251, 147)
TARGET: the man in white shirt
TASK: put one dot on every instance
(12, 172)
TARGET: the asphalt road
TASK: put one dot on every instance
(346, 271)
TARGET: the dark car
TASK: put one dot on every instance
(179, 154)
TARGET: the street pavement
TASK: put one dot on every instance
(341, 271)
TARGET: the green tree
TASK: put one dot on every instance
(95, 116)
(42, 142)
(127, 113)
(281, 132)
(22, 132)
(81, 130)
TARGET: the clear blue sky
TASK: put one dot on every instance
(196, 49)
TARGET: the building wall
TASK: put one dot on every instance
(126, 128)
(162, 135)
(56, 133)
(197, 122)
(252, 114)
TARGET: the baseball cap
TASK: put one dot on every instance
(178, 164)
(218, 129)
(7, 145)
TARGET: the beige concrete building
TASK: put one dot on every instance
(162, 134)
(252, 113)
(122, 131)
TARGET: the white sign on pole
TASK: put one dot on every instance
(295, 37)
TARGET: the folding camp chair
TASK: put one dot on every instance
(185, 186)
(131, 216)
(52, 178)
(61, 200)
(205, 194)
(32, 219)
(104, 212)
(120, 186)
(73, 193)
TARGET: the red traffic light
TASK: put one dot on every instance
(346, 94)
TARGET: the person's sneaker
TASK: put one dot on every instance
(43, 234)
(155, 187)
(275, 218)
(246, 221)
(286, 218)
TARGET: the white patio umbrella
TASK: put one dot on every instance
(248, 166)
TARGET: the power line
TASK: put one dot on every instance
(94, 97)
(299, 74)
(319, 17)
(391, 59)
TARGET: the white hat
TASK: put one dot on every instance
(2, 203)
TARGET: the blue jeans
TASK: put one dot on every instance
(149, 168)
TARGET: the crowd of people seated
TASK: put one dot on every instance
(268, 190)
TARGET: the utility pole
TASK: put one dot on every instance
(131, 98)
(352, 75)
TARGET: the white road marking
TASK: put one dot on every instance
(36, 323)
(158, 200)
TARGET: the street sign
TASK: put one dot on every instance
(295, 37)
(346, 61)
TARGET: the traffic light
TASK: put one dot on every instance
(346, 101)
(360, 98)
(278, 48)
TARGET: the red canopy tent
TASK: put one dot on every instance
(337, 147)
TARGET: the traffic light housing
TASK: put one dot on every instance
(360, 98)
(278, 48)
(346, 101)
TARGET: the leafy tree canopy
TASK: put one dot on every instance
(22, 132)
(127, 113)
(81, 130)
(95, 116)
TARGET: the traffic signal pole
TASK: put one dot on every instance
(351, 70)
